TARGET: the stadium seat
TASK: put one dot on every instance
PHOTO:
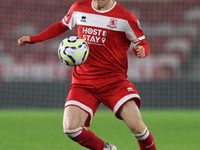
(24, 29)
(178, 46)
(192, 16)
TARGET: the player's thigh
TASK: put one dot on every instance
(131, 115)
(119, 94)
(80, 107)
(74, 117)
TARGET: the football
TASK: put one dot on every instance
(73, 51)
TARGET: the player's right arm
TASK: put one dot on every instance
(68, 22)
(51, 32)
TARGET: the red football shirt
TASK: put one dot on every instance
(108, 34)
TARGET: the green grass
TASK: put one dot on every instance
(42, 130)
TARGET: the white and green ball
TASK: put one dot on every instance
(73, 51)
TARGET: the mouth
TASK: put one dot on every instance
(98, 1)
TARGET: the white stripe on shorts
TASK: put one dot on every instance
(84, 107)
(123, 100)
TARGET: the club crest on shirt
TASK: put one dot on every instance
(112, 23)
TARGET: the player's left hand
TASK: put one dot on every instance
(139, 49)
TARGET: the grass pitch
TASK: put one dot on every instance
(42, 130)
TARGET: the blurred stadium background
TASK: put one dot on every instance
(33, 76)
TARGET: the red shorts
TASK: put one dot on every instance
(113, 96)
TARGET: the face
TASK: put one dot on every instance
(102, 4)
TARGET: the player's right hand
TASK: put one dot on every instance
(24, 40)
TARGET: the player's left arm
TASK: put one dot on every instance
(136, 35)
(141, 48)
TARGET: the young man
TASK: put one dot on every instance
(108, 28)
